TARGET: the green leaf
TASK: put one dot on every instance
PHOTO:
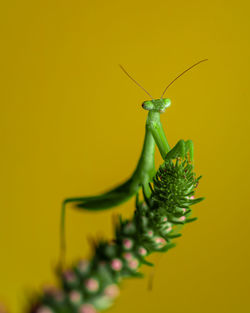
(174, 236)
(146, 262)
(190, 220)
(194, 201)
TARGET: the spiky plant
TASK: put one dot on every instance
(90, 286)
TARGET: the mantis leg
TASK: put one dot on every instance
(160, 138)
(178, 151)
(62, 237)
(181, 149)
(190, 148)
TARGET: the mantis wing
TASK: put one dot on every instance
(108, 199)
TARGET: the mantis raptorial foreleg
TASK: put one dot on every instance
(156, 129)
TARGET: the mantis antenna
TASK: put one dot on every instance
(135, 81)
(181, 75)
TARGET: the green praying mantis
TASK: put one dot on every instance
(145, 169)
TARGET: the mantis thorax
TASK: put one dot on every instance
(158, 105)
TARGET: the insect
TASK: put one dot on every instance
(145, 169)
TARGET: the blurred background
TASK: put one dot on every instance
(71, 124)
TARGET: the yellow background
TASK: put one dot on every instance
(71, 124)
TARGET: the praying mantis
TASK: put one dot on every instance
(145, 169)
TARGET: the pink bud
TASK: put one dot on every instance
(142, 251)
(165, 219)
(169, 229)
(133, 264)
(127, 243)
(150, 233)
(116, 264)
(91, 284)
(83, 266)
(75, 296)
(69, 276)
(160, 241)
(182, 218)
(184, 210)
(128, 256)
(87, 308)
(112, 291)
(44, 309)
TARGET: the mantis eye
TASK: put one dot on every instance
(167, 103)
(148, 105)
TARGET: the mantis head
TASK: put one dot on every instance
(158, 105)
